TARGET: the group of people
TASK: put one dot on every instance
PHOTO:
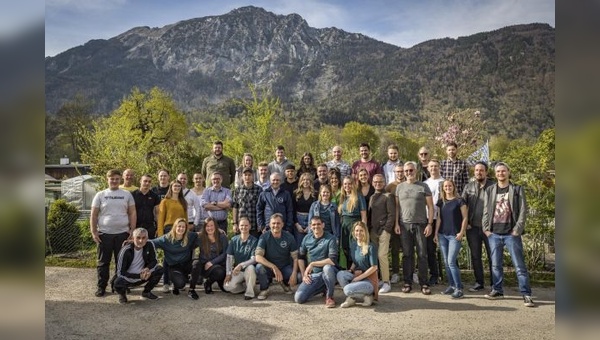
(310, 228)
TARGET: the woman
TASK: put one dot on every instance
(335, 181)
(198, 190)
(327, 211)
(178, 246)
(247, 162)
(302, 200)
(171, 208)
(352, 209)
(361, 280)
(364, 185)
(213, 256)
(450, 228)
(307, 165)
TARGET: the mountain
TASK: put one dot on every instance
(333, 75)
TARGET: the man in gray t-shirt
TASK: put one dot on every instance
(414, 218)
(112, 221)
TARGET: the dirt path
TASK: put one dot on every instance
(72, 312)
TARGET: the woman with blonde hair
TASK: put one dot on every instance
(172, 207)
(247, 162)
(213, 255)
(360, 281)
(352, 208)
(302, 200)
(178, 246)
(451, 226)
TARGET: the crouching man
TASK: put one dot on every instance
(240, 261)
(137, 265)
(317, 261)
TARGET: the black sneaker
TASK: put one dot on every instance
(149, 296)
(527, 301)
(494, 295)
(247, 298)
(193, 295)
(100, 292)
(175, 291)
(122, 299)
(476, 288)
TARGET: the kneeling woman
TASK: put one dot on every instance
(213, 247)
(178, 246)
(361, 280)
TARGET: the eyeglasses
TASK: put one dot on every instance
(376, 182)
(409, 170)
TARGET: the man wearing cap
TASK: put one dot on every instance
(290, 184)
(245, 198)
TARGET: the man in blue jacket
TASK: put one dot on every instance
(504, 213)
(274, 200)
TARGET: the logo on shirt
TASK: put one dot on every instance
(283, 244)
(280, 199)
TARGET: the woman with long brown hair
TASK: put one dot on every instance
(302, 200)
(213, 256)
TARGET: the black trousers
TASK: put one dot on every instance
(121, 284)
(434, 268)
(216, 273)
(412, 235)
(475, 238)
(180, 272)
(109, 247)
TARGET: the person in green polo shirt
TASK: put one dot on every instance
(240, 269)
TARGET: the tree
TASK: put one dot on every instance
(65, 129)
(146, 132)
(466, 128)
(354, 133)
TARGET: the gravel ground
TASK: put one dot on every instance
(73, 312)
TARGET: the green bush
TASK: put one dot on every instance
(87, 242)
(63, 234)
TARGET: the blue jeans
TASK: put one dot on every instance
(265, 275)
(514, 244)
(450, 248)
(303, 221)
(354, 289)
(321, 282)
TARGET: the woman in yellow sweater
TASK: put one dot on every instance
(172, 207)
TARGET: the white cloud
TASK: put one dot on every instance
(84, 5)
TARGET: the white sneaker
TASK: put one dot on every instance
(385, 288)
(395, 278)
(166, 288)
(368, 300)
(348, 303)
(263, 294)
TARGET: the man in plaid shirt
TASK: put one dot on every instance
(244, 202)
(455, 169)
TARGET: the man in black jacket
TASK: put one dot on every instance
(137, 265)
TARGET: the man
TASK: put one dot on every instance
(137, 265)
(146, 206)
(317, 259)
(280, 162)
(216, 200)
(128, 180)
(434, 183)
(245, 198)
(454, 168)
(112, 221)
(503, 222)
(274, 200)
(395, 241)
(163, 184)
(277, 257)
(414, 223)
(290, 184)
(240, 269)
(263, 175)
(322, 177)
(473, 195)
(337, 162)
(193, 202)
(217, 162)
(366, 162)
(422, 164)
(389, 166)
(382, 212)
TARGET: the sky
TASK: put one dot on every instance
(404, 23)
